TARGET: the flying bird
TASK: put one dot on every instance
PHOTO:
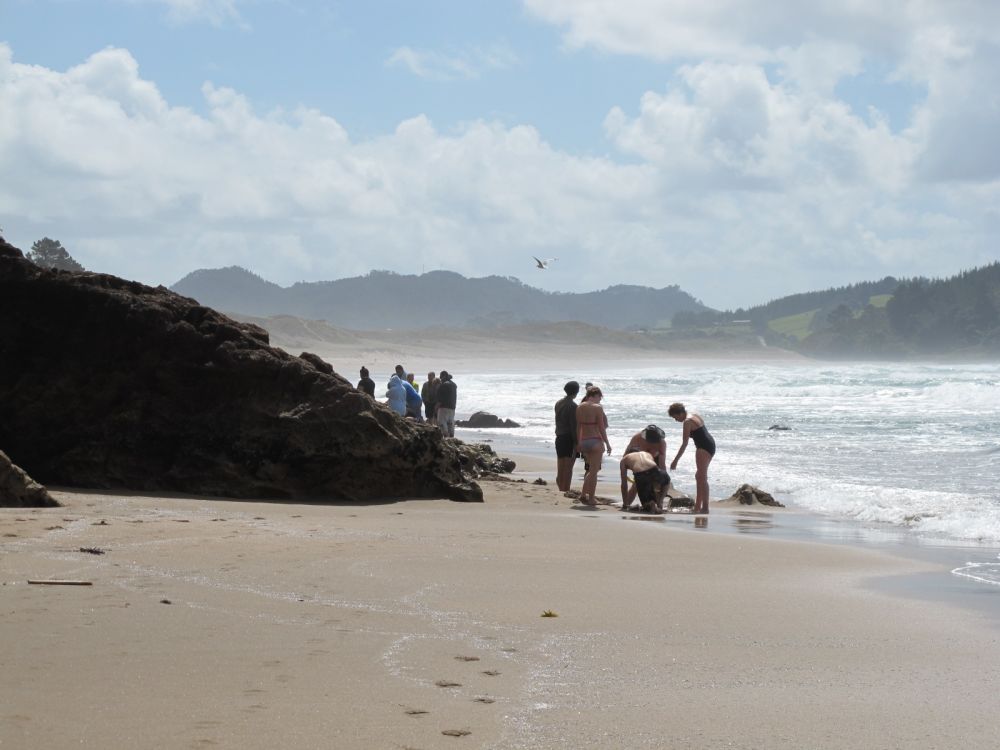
(543, 264)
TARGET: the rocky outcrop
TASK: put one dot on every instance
(18, 490)
(107, 383)
(779, 428)
(747, 494)
(485, 420)
(480, 459)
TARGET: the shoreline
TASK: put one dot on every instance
(793, 523)
(255, 624)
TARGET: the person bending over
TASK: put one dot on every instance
(651, 481)
(651, 441)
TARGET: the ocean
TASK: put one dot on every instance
(905, 448)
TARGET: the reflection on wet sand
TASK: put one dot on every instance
(753, 523)
(644, 518)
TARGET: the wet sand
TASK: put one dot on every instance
(418, 624)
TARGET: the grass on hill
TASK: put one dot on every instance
(879, 300)
(797, 326)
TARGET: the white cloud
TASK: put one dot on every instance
(735, 182)
(738, 31)
(467, 65)
(727, 125)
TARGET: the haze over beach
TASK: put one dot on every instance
(216, 215)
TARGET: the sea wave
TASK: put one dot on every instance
(910, 445)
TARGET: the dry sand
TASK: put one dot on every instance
(215, 623)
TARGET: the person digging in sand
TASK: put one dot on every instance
(651, 481)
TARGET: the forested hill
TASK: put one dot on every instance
(958, 316)
(440, 298)
(881, 319)
(804, 312)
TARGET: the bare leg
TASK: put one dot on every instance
(590, 480)
(564, 472)
(702, 459)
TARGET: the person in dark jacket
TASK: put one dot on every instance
(428, 392)
(447, 396)
(566, 436)
(366, 384)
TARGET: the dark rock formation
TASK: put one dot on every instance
(483, 419)
(779, 428)
(107, 383)
(18, 490)
(479, 459)
(747, 494)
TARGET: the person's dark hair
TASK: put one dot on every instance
(653, 434)
(572, 388)
(445, 375)
(594, 391)
(400, 371)
(364, 372)
(675, 409)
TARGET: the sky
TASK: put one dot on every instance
(742, 151)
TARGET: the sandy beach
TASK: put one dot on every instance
(501, 349)
(419, 624)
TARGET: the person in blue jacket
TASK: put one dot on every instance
(413, 401)
(396, 395)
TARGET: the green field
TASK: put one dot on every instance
(879, 300)
(796, 326)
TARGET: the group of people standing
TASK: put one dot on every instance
(434, 402)
(582, 431)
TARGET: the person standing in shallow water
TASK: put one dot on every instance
(592, 439)
(566, 436)
(704, 443)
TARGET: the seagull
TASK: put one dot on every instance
(543, 264)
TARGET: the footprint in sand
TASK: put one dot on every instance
(483, 699)
(447, 684)
(456, 732)
(416, 712)
(467, 658)
(491, 673)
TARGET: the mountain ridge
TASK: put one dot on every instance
(433, 298)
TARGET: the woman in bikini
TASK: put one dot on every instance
(592, 439)
(694, 428)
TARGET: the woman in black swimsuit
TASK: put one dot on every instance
(694, 428)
